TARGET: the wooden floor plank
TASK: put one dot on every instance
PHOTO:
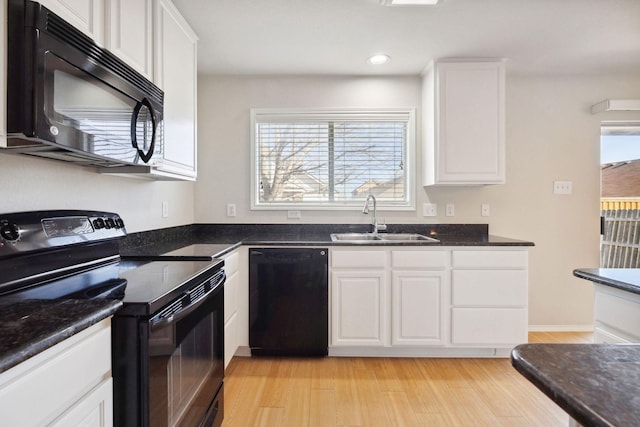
(275, 391)
(381, 392)
(374, 411)
(297, 412)
(347, 394)
(323, 408)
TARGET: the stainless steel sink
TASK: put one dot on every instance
(354, 237)
(370, 237)
(407, 237)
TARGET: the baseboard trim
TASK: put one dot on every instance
(560, 328)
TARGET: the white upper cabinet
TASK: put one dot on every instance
(464, 141)
(129, 33)
(86, 15)
(176, 72)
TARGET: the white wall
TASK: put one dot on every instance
(550, 135)
(223, 134)
(36, 184)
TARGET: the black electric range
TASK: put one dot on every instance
(172, 312)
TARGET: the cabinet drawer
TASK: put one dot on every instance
(420, 259)
(41, 388)
(618, 312)
(358, 259)
(488, 326)
(490, 259)
(502, 288)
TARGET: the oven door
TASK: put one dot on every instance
(172, 374)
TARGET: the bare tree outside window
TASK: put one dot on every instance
(331, 161)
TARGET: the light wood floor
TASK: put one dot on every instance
(332, 391)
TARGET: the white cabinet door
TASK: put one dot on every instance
(175, 73)
(86, 15)
(94, 410)
(417, 301)
(231, 290)
(464, 123)
(129, 33)
(359, 300)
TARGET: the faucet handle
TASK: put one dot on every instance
(381, 226)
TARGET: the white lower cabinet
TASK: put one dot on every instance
(417, 307)
(359, 311)
(489, 294)
(68, 384)
(359, 297)
(617, 316)
(419, 288)
(231, 300)
(427, 301)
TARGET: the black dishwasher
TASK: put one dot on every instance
(288, 301)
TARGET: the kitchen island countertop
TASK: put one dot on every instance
(596, 384)
(626, 279)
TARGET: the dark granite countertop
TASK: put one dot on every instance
(31, 326)
(234, 235)
(626, 279)
(596, 384)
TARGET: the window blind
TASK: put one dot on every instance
(331, 158)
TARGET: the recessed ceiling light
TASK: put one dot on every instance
(409, 2)
(378, 59)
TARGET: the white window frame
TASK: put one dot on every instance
(301, 113)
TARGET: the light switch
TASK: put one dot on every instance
(429, 209)
(562, 187)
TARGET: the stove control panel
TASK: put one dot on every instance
(28, 231)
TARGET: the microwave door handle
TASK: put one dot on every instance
(134, 139)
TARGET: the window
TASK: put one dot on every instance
(330, 159)
(620, 195)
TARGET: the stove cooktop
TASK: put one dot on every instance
(143, 286)
(196, 252)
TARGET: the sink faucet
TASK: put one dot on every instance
(365, 210)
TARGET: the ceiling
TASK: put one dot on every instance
(316, 37)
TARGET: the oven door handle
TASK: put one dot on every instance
(162, 320)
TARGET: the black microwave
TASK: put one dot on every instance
(70, 99)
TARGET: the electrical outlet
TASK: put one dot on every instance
(231, 209)
(450, 209)
(165, 209)
(294, 214)
(562, 187)
(484, 209)
(429, 209)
